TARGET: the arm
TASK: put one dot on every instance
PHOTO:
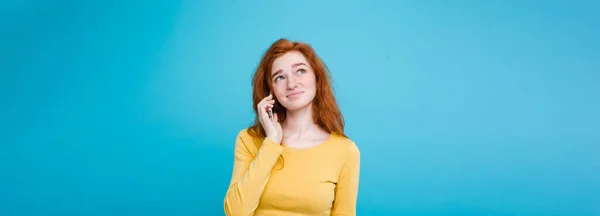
(346, 192)
(249, 177)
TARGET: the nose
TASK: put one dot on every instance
(291, 83)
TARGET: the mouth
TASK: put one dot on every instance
(295, 94)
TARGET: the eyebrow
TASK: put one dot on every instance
(281, 70)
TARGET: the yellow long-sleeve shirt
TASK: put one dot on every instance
(321, 180)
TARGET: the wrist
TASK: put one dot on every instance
(274, 139)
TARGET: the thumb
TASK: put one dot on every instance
(275, 117)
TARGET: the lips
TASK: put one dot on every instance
(294, 94)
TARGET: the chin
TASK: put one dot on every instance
(296, 105)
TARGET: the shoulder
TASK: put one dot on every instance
(244, 134)
(247, 141)
(346, 146)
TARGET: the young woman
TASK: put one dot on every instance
(295, 159)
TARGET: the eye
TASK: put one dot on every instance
(301, 71)
(278, 78)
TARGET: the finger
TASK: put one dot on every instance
(260, 108)
(263, 103)
(268, 97)
(264, 112)
(266, 106)
(264, 100)
(275, 118)
(268, 103)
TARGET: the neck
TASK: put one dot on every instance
(299, 123)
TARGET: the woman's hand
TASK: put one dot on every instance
(271, 125)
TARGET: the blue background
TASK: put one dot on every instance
(458, 107)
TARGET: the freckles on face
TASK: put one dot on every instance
(292, 78)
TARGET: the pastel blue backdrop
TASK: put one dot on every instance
(458, 107)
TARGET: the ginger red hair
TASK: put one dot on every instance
(326, 113)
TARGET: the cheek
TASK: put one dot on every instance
(279, 90)
(277, 86)
(311, 82)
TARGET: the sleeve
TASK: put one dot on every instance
(249, 177)
(346, 192)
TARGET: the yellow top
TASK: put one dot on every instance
(321, 180)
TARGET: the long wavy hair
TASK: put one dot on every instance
(326, 113)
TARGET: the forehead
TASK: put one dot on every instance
(286, 61)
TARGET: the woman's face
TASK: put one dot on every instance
(293, 80)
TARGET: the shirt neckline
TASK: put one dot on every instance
(329, 138)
